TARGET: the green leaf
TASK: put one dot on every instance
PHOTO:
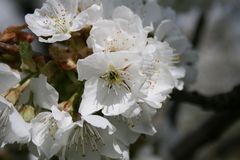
(26, 57)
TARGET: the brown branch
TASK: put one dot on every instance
(218, 103)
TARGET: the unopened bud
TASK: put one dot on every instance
(66, 106)
(27, 112)
(68, 65)
(13, 94)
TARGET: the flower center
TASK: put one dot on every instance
(60, 24)
(116, 78)
(112, 77)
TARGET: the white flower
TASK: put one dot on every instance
(162, 75)
(49, 131)
(92, 137)
(123, 32)
(43, 94)
(58, 18)
(149, 10)
(135, 121)
(13, 127)
(126, 76)
(54, 133)
(111, 82)
(168, 31)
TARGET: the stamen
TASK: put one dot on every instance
(49, 124)
(130, 123)
(53, 127)
(84, 136)
(82, 142)
(3, 123)
(59, 23)
(115, 78)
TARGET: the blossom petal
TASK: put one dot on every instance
(88, 104)
(143, 124)
(84, 4)
(169, 32)
(18, 129)
(71, 6)
(92, 66)
(110, 147)
(100, 122)
(123, 133)
(39, 129)
(44, 95)
(8, 78)
(117, 103)
(64, 118)
(87, 17)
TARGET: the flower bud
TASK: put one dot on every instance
(13, 94)
(28, 113)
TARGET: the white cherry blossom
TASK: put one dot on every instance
(123, 82)
(162, 75)
(112, 80)
(158, 67)
(123, 32)
(149, 10)
(49, 131)
(91, 137)
(58, 18)
(169, 32)
(54, 133)
(135, 121)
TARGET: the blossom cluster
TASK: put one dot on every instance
(118, 85)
